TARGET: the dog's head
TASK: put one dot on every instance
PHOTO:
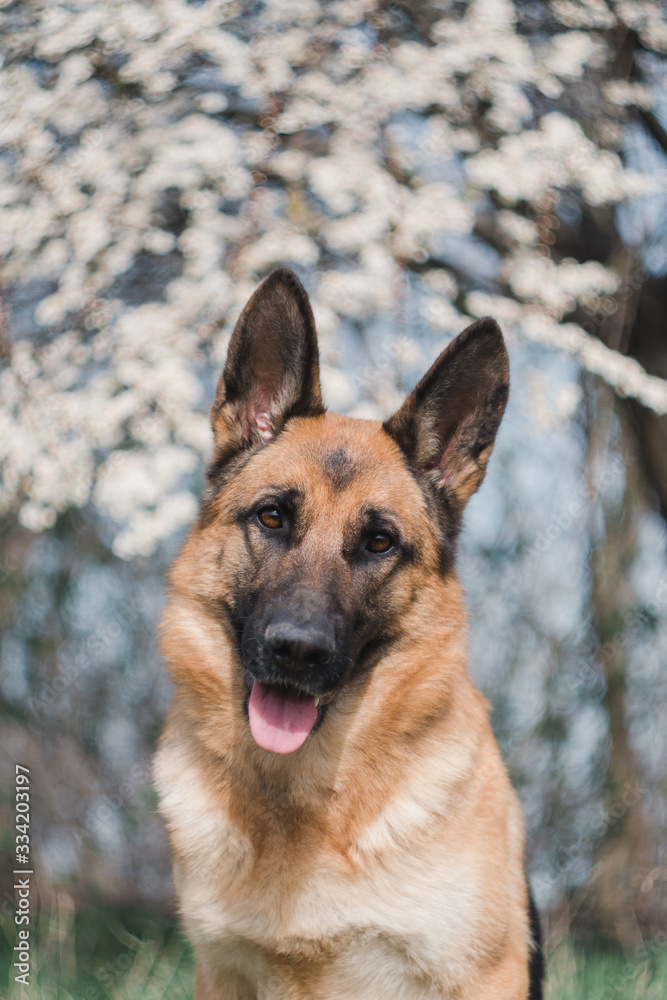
(318, 533)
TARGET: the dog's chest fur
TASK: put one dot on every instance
(378, 919)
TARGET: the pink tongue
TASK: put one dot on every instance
(280, 721)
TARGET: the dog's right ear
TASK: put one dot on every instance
(272, 370)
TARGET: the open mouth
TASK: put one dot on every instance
(282, 719)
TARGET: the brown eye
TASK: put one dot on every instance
(381, 542)
(270, 517)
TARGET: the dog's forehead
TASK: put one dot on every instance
(340, 461)
(343, 452)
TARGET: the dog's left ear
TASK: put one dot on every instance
(448, 423)
(272, 369)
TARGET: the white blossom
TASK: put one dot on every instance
(158, 160)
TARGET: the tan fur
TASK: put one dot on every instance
(384, 858)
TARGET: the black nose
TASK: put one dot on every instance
(299, 647)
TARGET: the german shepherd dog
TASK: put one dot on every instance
(342, 824)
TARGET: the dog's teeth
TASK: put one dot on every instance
(317, 702)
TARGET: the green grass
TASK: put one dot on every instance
(575, 975)
(100, 955)
(107, 955)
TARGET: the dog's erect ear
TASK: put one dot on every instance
(272, 369)
(448, 424)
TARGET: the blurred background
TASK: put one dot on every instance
(418, 164)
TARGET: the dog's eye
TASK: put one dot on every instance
(270, 517)
(380, 542)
